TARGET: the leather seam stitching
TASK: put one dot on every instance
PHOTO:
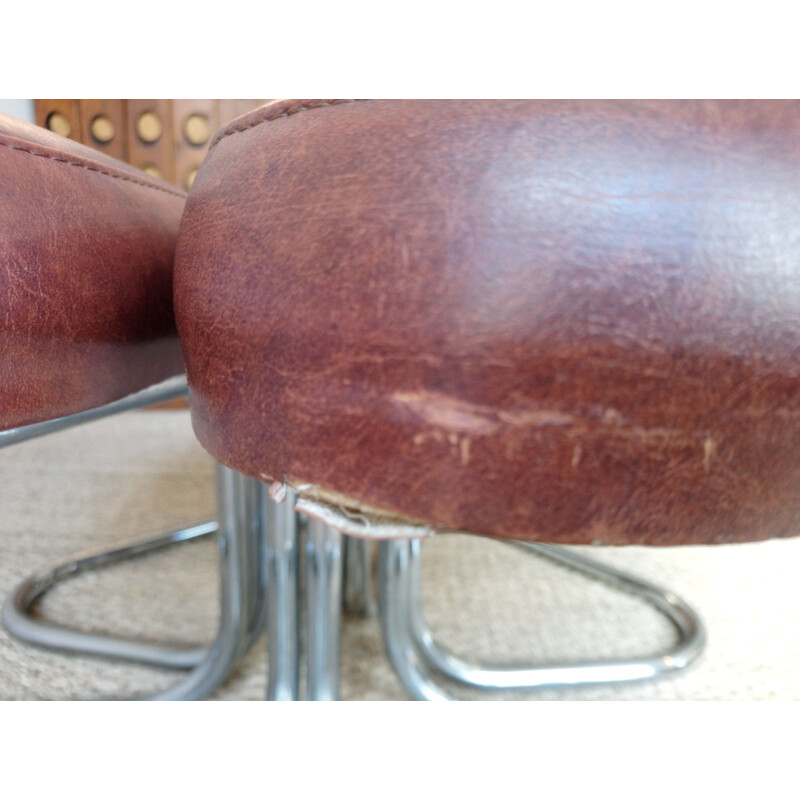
(288, 113)
(94, 169)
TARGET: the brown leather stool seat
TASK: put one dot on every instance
(86, 252)
(570, 322)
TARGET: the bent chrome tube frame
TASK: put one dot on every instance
(19, 621)
(241, 571)
(242, 600)
(170, 389)
(417, 657)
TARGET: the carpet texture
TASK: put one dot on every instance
(143, 472)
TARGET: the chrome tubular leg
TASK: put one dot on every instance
(235, 535)
(256, 559)
(688, 624)
(358, 591)
(393, 602)
(283, 620)
(19, 621)
(323, 590)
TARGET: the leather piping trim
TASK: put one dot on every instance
(305, 106)
(87, 166)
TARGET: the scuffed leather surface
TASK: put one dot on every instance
(565, 321)
(86, 252)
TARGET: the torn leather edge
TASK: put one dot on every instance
(364, 526)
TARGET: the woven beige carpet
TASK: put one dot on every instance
(143, 472)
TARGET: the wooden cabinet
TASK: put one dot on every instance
(165, 138)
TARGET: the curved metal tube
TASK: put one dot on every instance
(323, 610)
(19, 621)
(242, 597)
(235, 632)
(242, 571)
(393, 601)
(405, 631)
(169, 389)
(690, 630)
(16, 615)
(283, 597)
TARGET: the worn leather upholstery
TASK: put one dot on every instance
(86, 252)
(564, 321)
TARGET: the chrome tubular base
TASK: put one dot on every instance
(417, 657)
(19, 620)
(242, 557)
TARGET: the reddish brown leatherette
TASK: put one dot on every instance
(86, 252)
(565, 321)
